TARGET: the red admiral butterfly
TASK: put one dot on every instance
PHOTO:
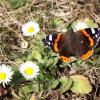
(79, 44)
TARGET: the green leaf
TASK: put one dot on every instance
(29, 57)
(56, 22)
(49, 62)
(37, 87)
(74, 24)
(55, 60)
(91, 24)
(36, 55)
(16, 3)
(27, 89)
(17, 78)
(66, 83)
(81, 84)
(54, 84)
(19, 61)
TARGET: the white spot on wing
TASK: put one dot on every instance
(49, 43)
(50, 37)
(96, 35)
(93, 31)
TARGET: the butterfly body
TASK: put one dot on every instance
(79, 44)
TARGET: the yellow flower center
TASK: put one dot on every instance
(31, 29)
(2, 76)
(29, 71)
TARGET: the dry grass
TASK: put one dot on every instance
(68, 11)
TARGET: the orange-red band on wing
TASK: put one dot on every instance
(87, 35)
(86, 55)
(56, 42)
(90, 52)
(65, 59)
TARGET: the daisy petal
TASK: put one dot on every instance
(29, 70)
(31, 28)
(5, 74)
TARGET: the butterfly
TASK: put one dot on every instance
(79, 44)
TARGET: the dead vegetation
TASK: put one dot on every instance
(68, 11)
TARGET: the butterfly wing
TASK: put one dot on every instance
(79, 44)
(95, 34)
(65, 49)
(85, 44)
(49, 41)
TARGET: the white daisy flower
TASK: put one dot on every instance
(29, 70)
(80, 25)
(31, 28)
(5, 74)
